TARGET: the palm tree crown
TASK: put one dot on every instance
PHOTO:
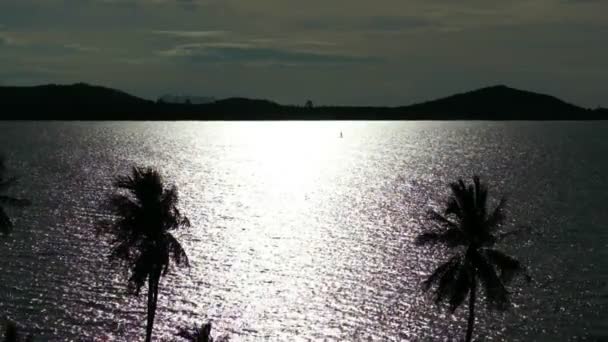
(6, 224)
(145, 215)
(196, 333)
(471, 230)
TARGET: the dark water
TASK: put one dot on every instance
(299, 235)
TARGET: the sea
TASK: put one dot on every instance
(304, 231)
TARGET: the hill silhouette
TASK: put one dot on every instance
(500, 102)
(184, 99)
(86, 102)
(77, 101)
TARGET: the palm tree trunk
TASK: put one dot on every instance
(152, 296)
(471, 311)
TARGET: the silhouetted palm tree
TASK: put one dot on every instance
(468, 228)
(145, 215)
(6, 224)
(197, 334)
(11, 333)
(200, 334)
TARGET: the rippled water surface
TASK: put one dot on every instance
(298, 235)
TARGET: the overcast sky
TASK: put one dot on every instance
(332, 51)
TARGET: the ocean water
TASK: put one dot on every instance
(299, 235)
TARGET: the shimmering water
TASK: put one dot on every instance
(299, 235)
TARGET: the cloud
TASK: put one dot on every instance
(248, 53)
(189, 34)
(393, 51)
(31, 75)
(585, 1)
(81, 48)
(370, 23)
(7, 39)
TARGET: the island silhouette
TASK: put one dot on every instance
(88, 102)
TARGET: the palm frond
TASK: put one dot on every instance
(451, 238)
(461, 286)
(497, 217)
(124, 205)
(129, 215)
(441, 220)
(6, 225)
(2, 164)
(507, 265)
(467, 221)
(140, 271)
(15, 202)
(126, 248)
(470, 199)
(11, 331)
(446, 281)
(447, 266)
(453, 207)
(197, 334)
(463, 204)
(144, 183)
(177, 252)
(481, 195)
(173, 218)
(496, 293)
(169, 198)
(142, 214)
(7, 183)
(517, 231)
(465, 212)
(457, 201)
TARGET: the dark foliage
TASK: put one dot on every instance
(11, 333)
(145, 215)
(471, 231)
(200, 334)
(6, 224)
(197, 334)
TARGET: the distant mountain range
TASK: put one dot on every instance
(186, 99)
(86, 102)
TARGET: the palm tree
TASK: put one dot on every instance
(11, 333)
(196, 333)
(200, 334)
(145, 215)
(471, 231)
(6, 225)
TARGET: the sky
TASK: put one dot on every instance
(349, 52)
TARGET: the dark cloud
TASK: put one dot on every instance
(388, 52)
(585, 1)
(28, 76)
(245, 53)
(189, 34)
(373, 23)
(397, 23)
(6, 39)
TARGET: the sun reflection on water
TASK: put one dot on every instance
(298, 234)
